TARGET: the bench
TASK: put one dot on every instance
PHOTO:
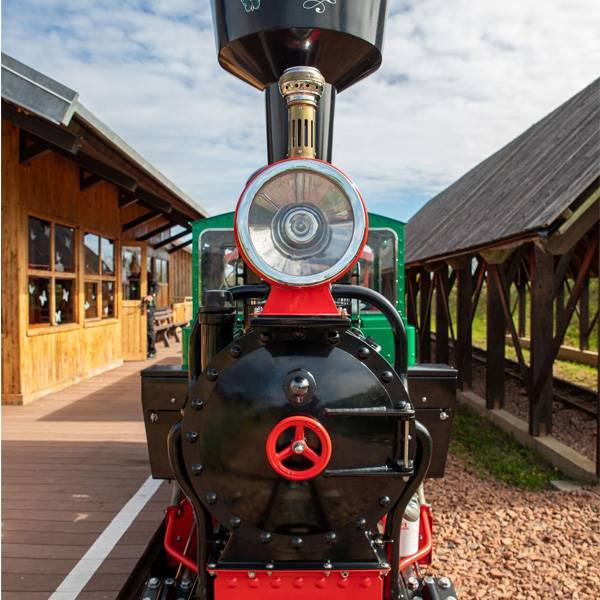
(165, 326)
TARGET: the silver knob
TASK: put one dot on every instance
(299, 386)
(299, 447)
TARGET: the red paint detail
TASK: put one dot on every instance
(254, 583)
(310, 301)
(319, 460)
(232, 583)
(427, 515)
(366, 582)
(300, 301)
(426, 542)
(179, 523)
(285, 585)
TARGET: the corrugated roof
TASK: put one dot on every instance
(522, 188)
(27, 88)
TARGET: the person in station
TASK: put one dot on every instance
(150, 301)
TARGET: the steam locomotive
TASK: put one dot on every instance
(297, 443)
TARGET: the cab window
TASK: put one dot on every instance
(378, 264)
(219, 261)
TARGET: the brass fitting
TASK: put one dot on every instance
(302, 88)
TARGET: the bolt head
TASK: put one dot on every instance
(364, 353)
(235, 522)
(235, 351)
(384, 501)
(297, 542)
(387, 377)
(299, 447)
(153, 417)
(331, 537)
(444, 583)
(412, 583)
(361, 523)
(192, 436)
(212, 374)
(197, 404)
(265, 537)
(153, 583)
(212, 498)
(197, 469)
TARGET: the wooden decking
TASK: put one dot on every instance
(70, 462)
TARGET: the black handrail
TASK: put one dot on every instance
(357, 292)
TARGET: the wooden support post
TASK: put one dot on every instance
(441, 320)
(496, 343)
(584, 315)
(425, 316)
(522, 325)
(542, 280)
(559, 306)
(464, 307)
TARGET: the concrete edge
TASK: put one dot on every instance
(570, 462)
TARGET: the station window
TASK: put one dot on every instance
(100, 278)
(52, 283)
(131, 259)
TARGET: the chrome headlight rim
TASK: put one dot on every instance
(290, 165)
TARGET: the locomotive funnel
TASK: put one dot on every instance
(257, 40)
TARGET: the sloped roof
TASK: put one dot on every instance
(523, 188)
(58, 105)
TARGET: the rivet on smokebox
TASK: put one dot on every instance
(364, 353)
(192, 436)
(331, 537)
(197, 404)
(366, 582)
(211, 498)
(235, 521)
(361, 523)
(387, 377)
(196, 469)
(297, 543)
(384, 500)
(265, 537)
(212, 374)
(235, 351)
(333, 337)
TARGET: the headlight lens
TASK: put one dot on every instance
(301, 222)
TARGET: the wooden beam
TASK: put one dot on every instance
(464, 307)
(31, 147)
(153, 201)
(425, 297)
(496, 343)
(541, 317)
(479, 277)
(584, 315)
(522, 304)
(442, 354)
(141, 220)
(41, 128)
(126, 199)
(180, 246)
(157, 231)
(171, 239)
(87, 179)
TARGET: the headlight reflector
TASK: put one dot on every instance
(301, 222)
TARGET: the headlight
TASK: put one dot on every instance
(301, 222)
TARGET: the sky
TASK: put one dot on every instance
(460, 79)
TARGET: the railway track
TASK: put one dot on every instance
(568, 393)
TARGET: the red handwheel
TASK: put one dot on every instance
(299, 447)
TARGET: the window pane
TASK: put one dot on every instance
(108, 257)
(91, 300)
(378, 264)
(39, 300)
(108, 299)
(162, 270)
(131, 262)
(218, 258)
(64, 300)
(39, 244)
(64, 246)
(91, 244)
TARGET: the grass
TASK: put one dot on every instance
(490, 452)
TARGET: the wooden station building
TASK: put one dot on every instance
(524, 224)
(86, 223)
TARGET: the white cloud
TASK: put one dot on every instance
(459, 80)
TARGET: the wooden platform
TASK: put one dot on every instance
(70, 462)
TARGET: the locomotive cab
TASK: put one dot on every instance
(299, 433)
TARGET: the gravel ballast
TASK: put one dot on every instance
(497, 541)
